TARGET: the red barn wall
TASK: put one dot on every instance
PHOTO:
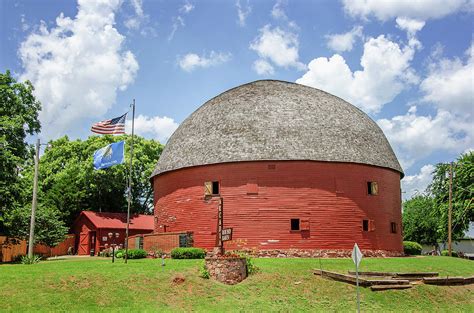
(331, 196)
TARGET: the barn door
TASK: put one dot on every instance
(83, 244)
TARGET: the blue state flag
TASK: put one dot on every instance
(109, 155)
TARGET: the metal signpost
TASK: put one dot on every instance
(356, 257)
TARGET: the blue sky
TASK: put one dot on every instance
(408, 64)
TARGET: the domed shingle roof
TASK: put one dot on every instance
(276, 120)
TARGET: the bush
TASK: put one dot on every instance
(136, 254)
(188, 253)
(412, 248)
(33, 260)
(158, 253)
(251, 267)
(132, 253)
(120, 253)
(446, 253)
(203, 272)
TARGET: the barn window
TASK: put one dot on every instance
(393, 228)
(295, 224)
(215, 187)
(365, 225)
(271, 166)
(211, 188)
(372, 188)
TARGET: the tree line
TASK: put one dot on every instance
(67, 181)
(425, 216)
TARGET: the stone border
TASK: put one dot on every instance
(318, 253)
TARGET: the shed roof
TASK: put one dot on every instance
(270, 120)
(119, 220)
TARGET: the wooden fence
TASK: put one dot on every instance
(61, 249)
(11, 248)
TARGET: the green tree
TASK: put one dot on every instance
(420, 220)
(18, 118)
(69, 183)
(463, 193)
(49, 228)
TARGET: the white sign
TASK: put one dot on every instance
(356, 255)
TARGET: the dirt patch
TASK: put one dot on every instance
(178, 280)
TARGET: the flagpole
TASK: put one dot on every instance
(130, 183)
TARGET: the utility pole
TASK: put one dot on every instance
(34, 202)
(450, 210)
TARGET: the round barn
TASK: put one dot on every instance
(300, 172)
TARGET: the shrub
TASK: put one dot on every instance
(188, 253)
(251, 267)
(33, 260)
(203, 272)
(120, 253)
(412, 248)
(446, 253)
(132, 253)
(136, 254)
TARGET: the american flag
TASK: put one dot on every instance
(110, 127)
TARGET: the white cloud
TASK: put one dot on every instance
(450, 84)
(191, 61)
(415, 136)
(386, 72)
(344, 42)
(413, 185)
(278, 12)
(412, 26)
(154, 127)
(243, 12)
(262, 67)
(134, 22)
(186, 7)
(24, 25)
(178, 21)
(278, 46)
(414, 9)
(78, 66)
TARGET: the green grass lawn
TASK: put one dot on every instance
(282, 285)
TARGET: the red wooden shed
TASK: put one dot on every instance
(92, 228)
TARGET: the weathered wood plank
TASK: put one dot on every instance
(398, 274)
(362, 281)
(447, 281)
(388, 287)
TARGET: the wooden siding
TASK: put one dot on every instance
(59, 249)
(11, 249)
(84, 229)
(331, 199)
